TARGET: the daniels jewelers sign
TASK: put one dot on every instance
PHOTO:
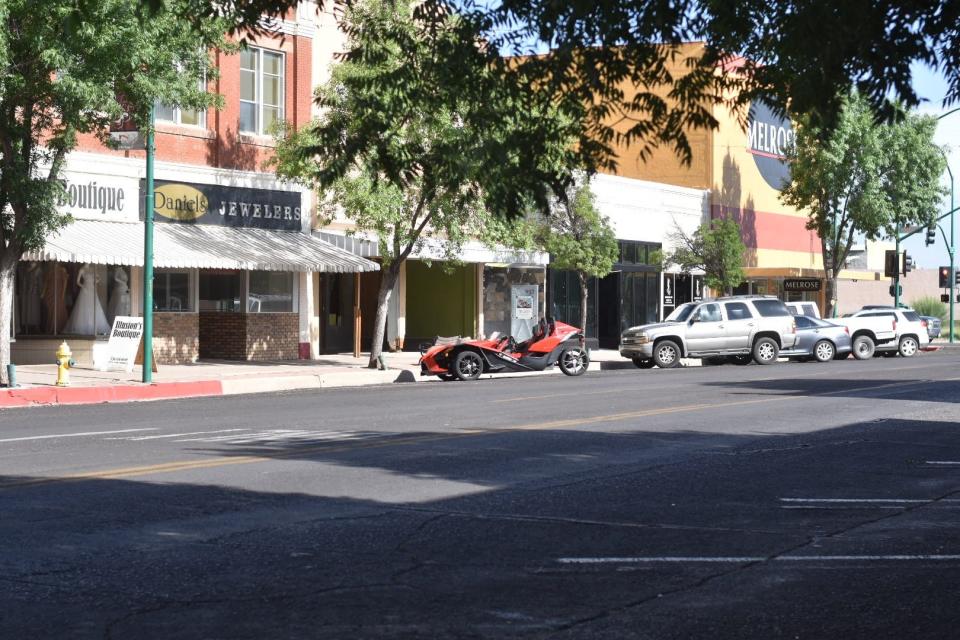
(768, 137)
(227, 206)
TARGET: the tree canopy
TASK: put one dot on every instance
(69, 68)
(717, 248)
(422, 137)
(863, 179)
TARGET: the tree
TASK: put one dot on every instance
(863, 179)
(717, 248)
(580, 239)
(422, 137)
(597, 46)
(72, 68)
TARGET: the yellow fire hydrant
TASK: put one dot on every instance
(64, 362)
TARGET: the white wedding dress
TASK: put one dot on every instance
(87, 317)
(119, 304)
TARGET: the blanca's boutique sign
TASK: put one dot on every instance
(88, 196)
(768, 136)
(227, 206)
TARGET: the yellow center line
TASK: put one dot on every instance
(224, 461)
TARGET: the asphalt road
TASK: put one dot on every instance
(789, 501)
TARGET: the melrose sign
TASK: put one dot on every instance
(226, 206)
(768, 137)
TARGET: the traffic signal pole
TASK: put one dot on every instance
(148, 260)
(896, 273)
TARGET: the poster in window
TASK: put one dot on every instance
(697, 288)
(668, 285)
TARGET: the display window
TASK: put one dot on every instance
(221, 290)
(271, 292)
(70, 299)
(172, 290)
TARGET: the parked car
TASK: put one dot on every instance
(802, 308)
(819, 340)
(934, 325)
(868, 332)
(909, 328)
(737, 327)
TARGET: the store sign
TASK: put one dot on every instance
(768, 137)
(124, 343)
(226, 206)
(802, 284)
(668, 289)
(88, 196)
(524, 307)
(698, 286)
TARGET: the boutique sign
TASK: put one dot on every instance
(768, 137)
(95, 197)
(226, 206)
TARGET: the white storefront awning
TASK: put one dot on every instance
(198, 247)
(431, 249)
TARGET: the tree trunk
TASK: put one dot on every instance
(584, 296)
(380, 320)
(831, 293)
(8, 273)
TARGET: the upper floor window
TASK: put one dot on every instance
(261, 90)
(176, 115)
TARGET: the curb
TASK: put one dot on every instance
(46, 396)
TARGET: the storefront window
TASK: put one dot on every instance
(220, 290)
(171, 291)
(270, 292)
(55, 298)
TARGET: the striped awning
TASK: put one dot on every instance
(472, 251)
(198, 247)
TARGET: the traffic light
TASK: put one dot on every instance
(945, 298)
(896, 290)
(931, 235)
(890, 263)
(907, 263)
(956, 276)
(945, 277)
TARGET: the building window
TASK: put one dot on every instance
(172, 290)
(220, 290)
(63, 298)
(261, 90)
(638, 253)
(186, 117)
(271, 292)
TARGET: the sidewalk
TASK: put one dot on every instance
(219, 377)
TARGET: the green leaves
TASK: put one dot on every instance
(717, 248)
(578, 237)
(864, 177)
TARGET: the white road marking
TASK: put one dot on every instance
(740, 559)
(276, 436)
(943, 462)
(73, 435)
(862, 500)
(174, 435)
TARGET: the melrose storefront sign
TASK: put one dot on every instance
(227, 206)
(768, 137)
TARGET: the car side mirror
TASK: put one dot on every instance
(692, 321)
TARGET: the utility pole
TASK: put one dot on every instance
(951, 246)
(148, 259)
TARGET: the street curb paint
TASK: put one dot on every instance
(35, 396)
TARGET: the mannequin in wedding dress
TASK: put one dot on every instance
(119, 304)
(87, 317)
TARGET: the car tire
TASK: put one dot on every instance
(863, 348)
(765, 351)
(824, 351)
(467, 365)
(908, 346)
(742, 359)
(643, 363)
(573, 362)
(666, 354)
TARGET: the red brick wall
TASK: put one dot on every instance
(176, 337)
(220, 145)
(273, 336)
(249, 336)
(223, 335)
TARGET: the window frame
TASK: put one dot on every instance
(178, 111)
(258, 101)
(294, 300)
(192, 289)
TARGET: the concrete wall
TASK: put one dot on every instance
(853, 294)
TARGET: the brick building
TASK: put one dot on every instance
(234, 254)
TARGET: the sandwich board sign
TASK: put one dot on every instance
(124, 343)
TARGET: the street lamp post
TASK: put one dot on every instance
(951, 247)
(148, 259)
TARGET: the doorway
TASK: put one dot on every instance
(336, 312)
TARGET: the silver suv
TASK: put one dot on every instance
(739, 328)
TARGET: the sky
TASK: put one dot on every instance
(932, 86)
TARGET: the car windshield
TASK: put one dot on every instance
(681, 313)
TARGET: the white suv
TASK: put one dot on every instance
(739, 328)
(910, 327)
